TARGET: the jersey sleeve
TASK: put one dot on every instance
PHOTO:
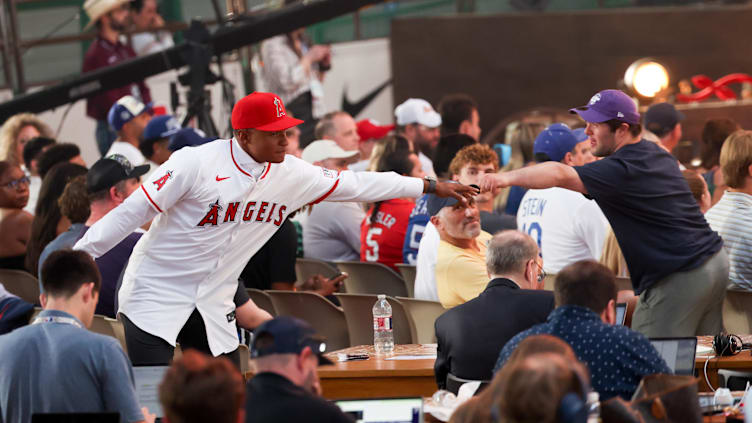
(171, 181)
(329, 185)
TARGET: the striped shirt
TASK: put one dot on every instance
(731, 217)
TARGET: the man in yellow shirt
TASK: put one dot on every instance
(461, 257)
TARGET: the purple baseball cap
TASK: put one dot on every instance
(607, 105)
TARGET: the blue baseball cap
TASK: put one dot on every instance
(124, 110)
(607, 105)
(160, 127)
(555, 141)
(580, 134)
(287, 335)
(187, 137)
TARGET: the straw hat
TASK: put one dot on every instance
(96, 8)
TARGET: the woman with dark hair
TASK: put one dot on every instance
(382, 232)
(15, 223)
(48, 221)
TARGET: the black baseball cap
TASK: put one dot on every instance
(661, 118)
(434, 204)
(110, 170)
(288, 335)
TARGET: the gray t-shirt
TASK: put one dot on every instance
(56, 367)
(332, 232)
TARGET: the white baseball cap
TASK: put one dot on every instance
(325, 149)
(416, 110)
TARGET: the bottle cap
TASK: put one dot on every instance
(382, 296)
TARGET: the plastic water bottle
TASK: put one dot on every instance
(383, 337)
(594, 407)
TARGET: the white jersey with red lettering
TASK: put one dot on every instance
(215, 207)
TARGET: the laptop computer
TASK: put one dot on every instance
(384, 410)
(147, 380)
(621, 313)
(679, 353)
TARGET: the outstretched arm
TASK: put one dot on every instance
(540, 176)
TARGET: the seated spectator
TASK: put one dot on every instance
(532, 389)
(164, 136)
(459, 115)
(468, 168)
(16, 131)
(714, 134)
(31, 153)
(422, 239)
(419, 124)
(331, 231)
(74, 206)
(382, 233)
(731, 217)
(699, 189)
(286, 386)
(109, 182)
(146, 19)
(198, 388)
(370, 133)
(567, 226)
(15, 223)
(48, 222)
(55, 365)
(14, 312)
(339, 127)
(128, 117)
(478, 408)
(461, 256)
(617, 356)
(58, 153)
(471, 334)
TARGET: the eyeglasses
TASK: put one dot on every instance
(541, 272)
(14, 184)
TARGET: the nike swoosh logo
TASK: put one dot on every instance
(222, 179)
(354, 108)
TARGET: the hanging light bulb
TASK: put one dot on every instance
(646, 77)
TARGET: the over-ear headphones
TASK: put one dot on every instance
(727, 344)
(573, 407)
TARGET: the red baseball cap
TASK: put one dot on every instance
(262, 111)
(369, 129)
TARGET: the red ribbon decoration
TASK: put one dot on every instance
(709, 87)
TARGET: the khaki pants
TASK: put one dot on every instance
(685, 303)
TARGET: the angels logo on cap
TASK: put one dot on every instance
(262, 111)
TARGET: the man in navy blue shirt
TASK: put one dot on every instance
(676, 262)
(618, 358)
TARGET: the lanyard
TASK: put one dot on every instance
(57, 319)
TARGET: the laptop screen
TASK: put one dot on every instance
(147, 380)
(621, 313)
(387, 410)
(679, 353)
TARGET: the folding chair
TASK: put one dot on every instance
(20, 283)
(408, 272)
(262, 300)
(423, 314)
(359, 317)
(326, 318)
(372, 278)
(737, 311)
(306, 268)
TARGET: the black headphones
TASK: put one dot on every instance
(727, 344)
(573, 407)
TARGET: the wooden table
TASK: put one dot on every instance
(739, 362)
(378, 377)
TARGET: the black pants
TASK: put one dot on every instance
(145, 349)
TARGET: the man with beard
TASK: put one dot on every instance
(676, 262)
(461, 257)
(419, 123)
(110, 17)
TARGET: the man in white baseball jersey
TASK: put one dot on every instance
(213, 207)
(567, 226)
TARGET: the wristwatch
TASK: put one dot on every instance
(431, 184)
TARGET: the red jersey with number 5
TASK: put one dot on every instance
(382, 240)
